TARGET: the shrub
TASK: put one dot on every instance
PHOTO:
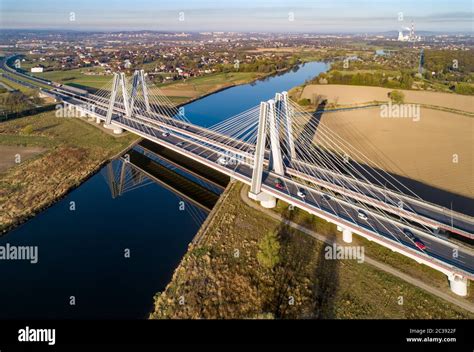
(397, 97)
(269, 250)
(304, 102)
(28, 129)
(464, 88)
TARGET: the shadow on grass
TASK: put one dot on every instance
(290, 298)
(45, 128)
(299, 262)
(325, 285)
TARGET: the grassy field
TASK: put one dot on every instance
(72, 149)
(221, 277)
(78, 76)
(420, 150)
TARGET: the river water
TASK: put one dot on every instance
(111, 255)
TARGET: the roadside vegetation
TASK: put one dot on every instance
(12, 85)
(88, 77)
(17, 101)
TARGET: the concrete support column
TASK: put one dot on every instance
(115, 128)
(255, 193)
(458, 284)
(97, 120)
(347, 235)
(266, 200)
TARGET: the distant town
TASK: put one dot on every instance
(173, 56)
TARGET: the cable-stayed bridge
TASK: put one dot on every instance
(284, 152)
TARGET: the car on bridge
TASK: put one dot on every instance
(222, 161)
(326, 197)
(301, 193)
(415, 239)
(279, 184)
(165, 134)
(361, 215)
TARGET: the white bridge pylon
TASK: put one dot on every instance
(269, 130)
(119, 87)
(139, 80)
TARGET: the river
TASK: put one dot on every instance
(111, 255)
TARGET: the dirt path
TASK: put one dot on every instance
(379, 265)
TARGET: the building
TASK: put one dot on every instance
(403, 38)
(37, 69)
(411, 37)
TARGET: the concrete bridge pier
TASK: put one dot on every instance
(98, 120)
(346, 234)
(266, 200)
(458, 284)
(115, 128)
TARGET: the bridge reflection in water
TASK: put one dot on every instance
(196, 185)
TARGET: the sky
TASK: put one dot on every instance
(310, 16)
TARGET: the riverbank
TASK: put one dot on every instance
(194, 89)
(190, 90)
(72, 150)
(221, 276)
